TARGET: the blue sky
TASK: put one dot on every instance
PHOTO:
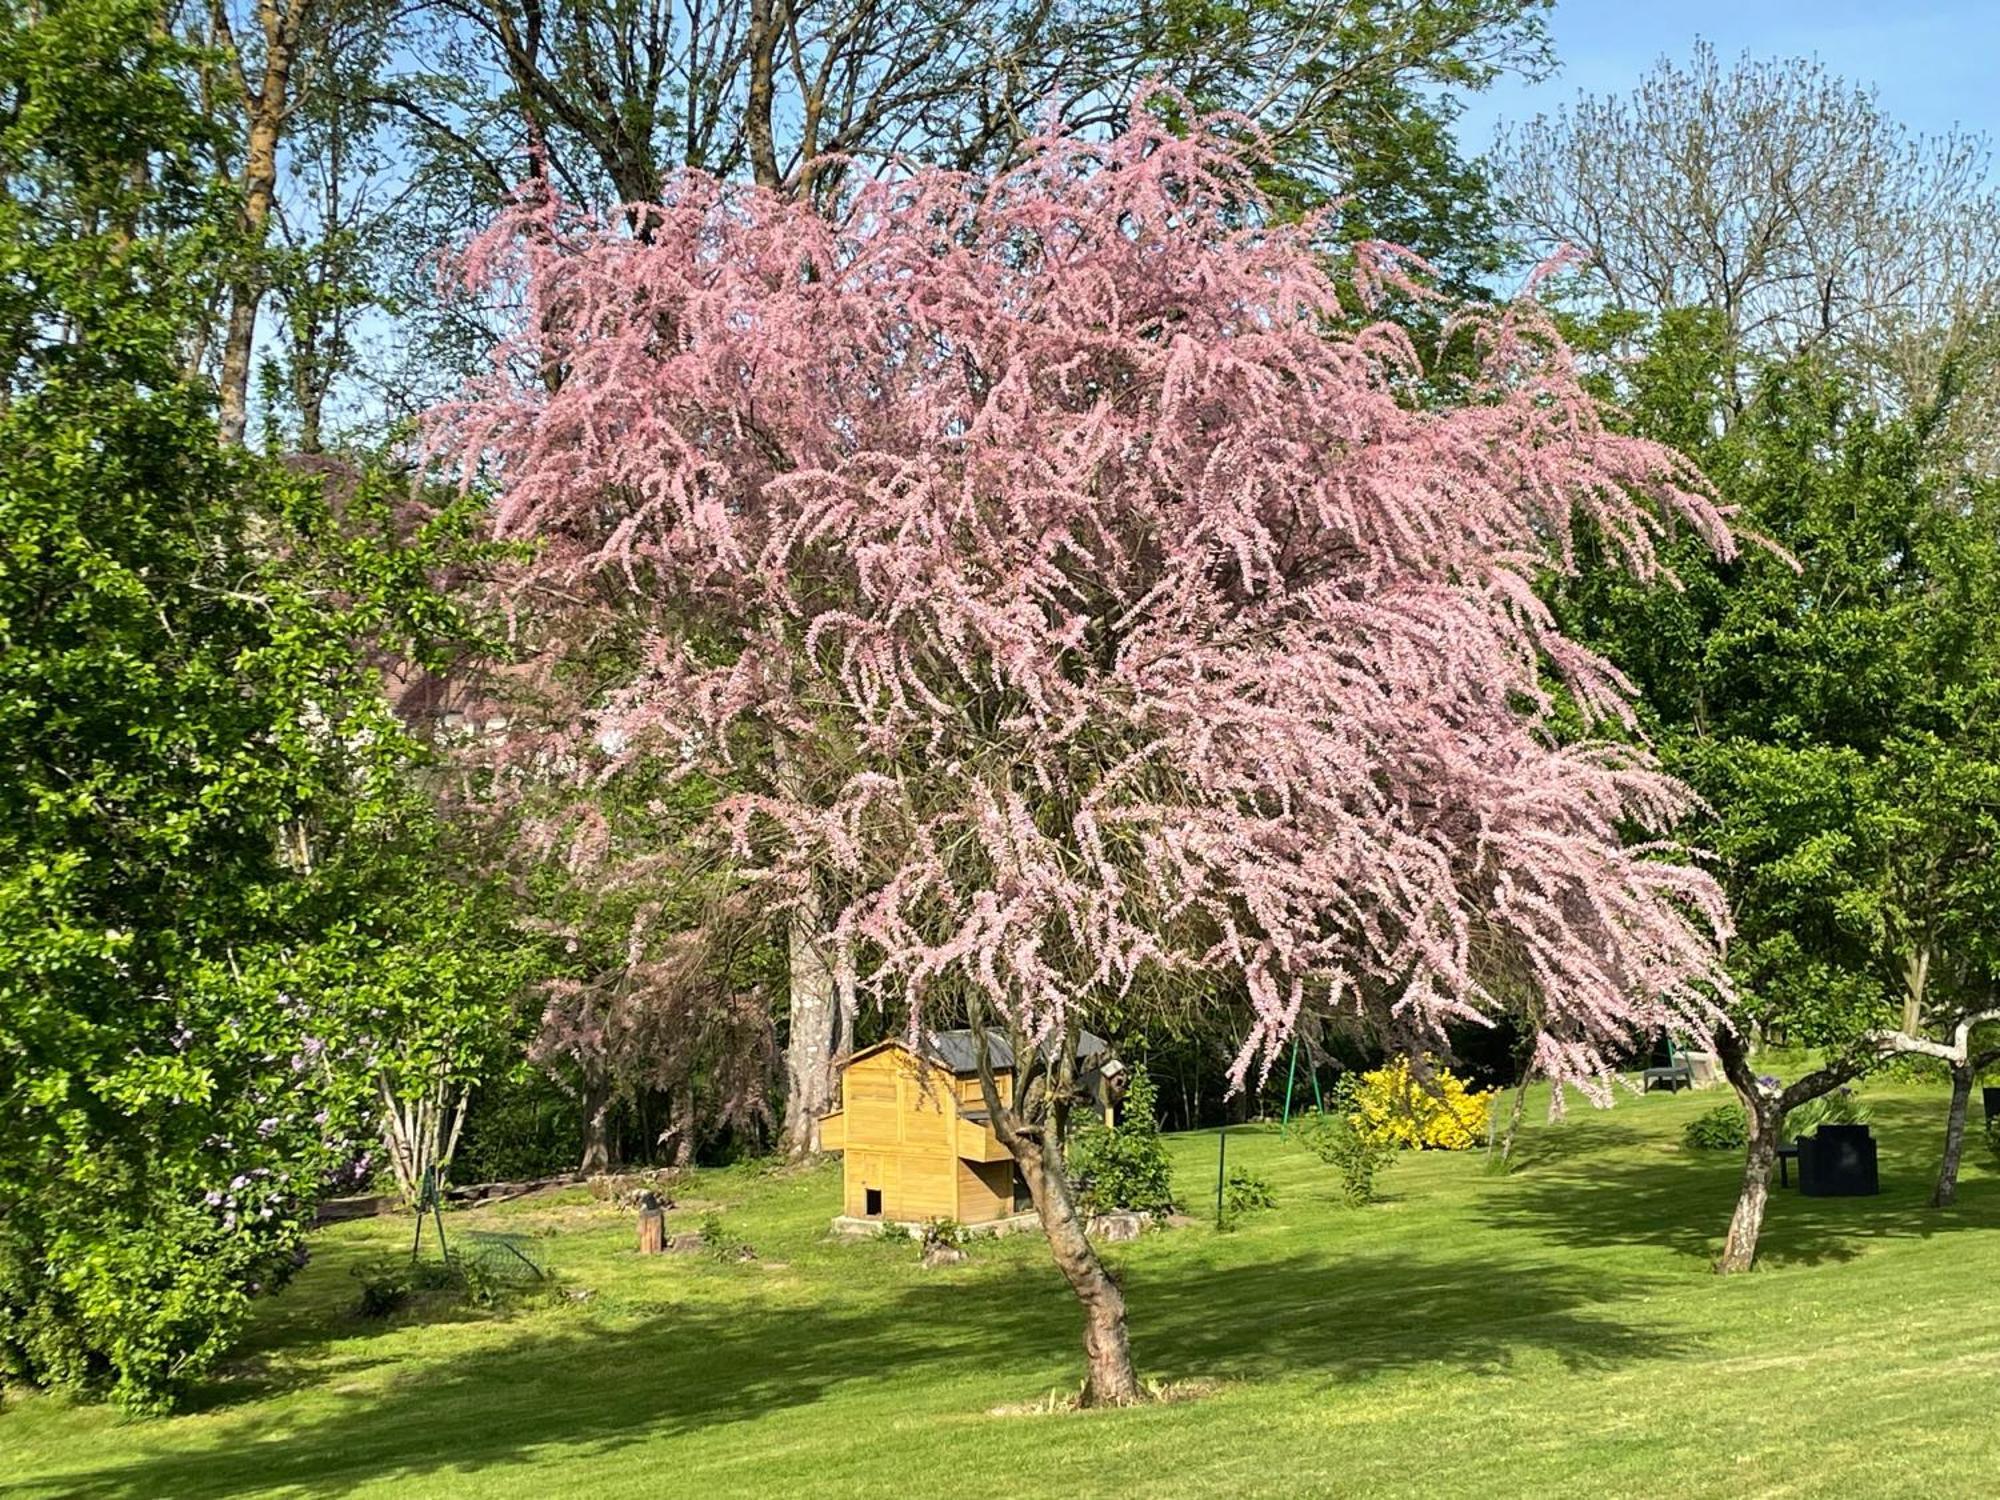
(1934, 64)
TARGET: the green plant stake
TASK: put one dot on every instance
(1291, 1076)
(1221, 1155)
(430, 1198)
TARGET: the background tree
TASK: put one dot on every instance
(1833, 704)
(1157, 637)
(1783, 200)
(666, 964)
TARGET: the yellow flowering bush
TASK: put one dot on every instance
(1391, 1107)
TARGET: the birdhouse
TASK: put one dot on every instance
(916, 1138)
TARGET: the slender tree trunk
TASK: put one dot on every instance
(1916, 978)
(680, 1126)
(260, 182)
(1945, 1194)
(1110, 1378)
(596, 1131)
(1514, 1115)
(761, 46)
(450, 1150)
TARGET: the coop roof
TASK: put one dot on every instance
(956, 1052)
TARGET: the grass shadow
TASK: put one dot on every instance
(1589, 1190)
(595, 1390)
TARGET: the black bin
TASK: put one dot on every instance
(1838, 1161)
(1991, 1097)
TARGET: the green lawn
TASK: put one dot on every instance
(1554, 1328)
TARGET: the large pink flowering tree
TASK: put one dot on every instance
(1114, 607)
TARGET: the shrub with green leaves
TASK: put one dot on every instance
(206, 796)
(1724, 1128)
(944, 1234)
(1124, 1166)
(1245, 1192)
(720, 1242)
(1358, 1156)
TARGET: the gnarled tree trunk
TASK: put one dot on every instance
(1739, 1248)
(1031, 1124)
(1110, 1379)
(1766, 1114)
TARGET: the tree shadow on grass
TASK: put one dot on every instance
(592, 1392)
(1682, 1199)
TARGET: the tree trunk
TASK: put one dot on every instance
(680, 1127)
(1916, 979)
(1945, 1194)
(1514, 1116)
(1766, 1117)
(1739, 1250)
(1110, 1379)
(761, 48)
(267, 107)
(596, 1129)
(811, 1043)
(1029, 1124)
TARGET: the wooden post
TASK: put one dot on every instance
(652, 1225)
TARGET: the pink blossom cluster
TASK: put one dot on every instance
(1126, 603)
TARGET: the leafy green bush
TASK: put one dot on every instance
(107, 1298)
(206, 813)
(1335, 1139)
(390, 1282)
(1245, 1192)
(385, 1286)
(1841, 1107)
(720, 1242)
(1724, 1128)
(1124, 1166)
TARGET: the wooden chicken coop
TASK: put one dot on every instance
(917, 1140)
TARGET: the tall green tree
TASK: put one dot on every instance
(1833, 697)
(201, 784)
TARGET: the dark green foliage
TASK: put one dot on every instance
(1837, 704)
(1123, 1166)
(519, 1127)
(1724, 1128)
(387, 1283)
(1245, 1192)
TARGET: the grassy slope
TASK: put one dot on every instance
(1555, 1327)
